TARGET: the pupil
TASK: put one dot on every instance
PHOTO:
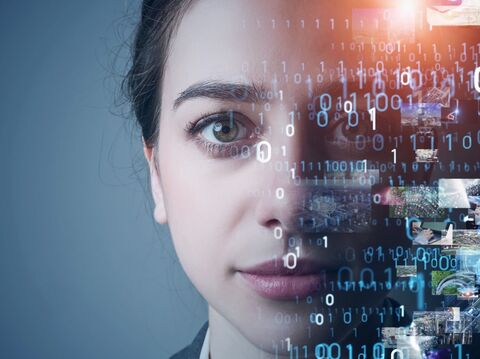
(225, 129)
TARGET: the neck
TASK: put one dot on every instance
(227, 342)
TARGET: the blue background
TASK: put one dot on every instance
(84, 270)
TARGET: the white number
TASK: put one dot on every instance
(409, 78)
(278, 232)
(348, 106)
(289, 344)
(373, 117)
(294, 256)
(476, 79)
(318, 319)
(280, 193)
(264, 156)
(290, 130)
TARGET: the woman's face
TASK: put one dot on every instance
(233, 217)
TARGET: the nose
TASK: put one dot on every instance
(278, 206)
(300, 196)
(292, 164)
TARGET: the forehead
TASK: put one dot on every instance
(249, 40)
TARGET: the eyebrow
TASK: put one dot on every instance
(227, 91)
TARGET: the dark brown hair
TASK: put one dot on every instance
(143, 82)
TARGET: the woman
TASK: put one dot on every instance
(263, 147)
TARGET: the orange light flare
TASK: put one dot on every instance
(408, 6)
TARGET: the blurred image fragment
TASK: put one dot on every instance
(426, 155)
(462, 284)
(333, 209)
(406, 271)
(389, 25)
(431, 233)
(434, 95)
(421, 114)
(458, 193)
(338, 205)
(420, 201)
(466, 239)
(453, 13)
(444, 282)
(409, 340)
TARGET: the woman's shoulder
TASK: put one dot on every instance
(193, 350)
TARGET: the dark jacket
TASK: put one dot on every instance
(192, 351)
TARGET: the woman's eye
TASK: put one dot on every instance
(223, 129)
(347, 129)
(226, 134)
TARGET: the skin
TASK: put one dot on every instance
(221, 211)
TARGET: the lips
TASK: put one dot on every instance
(274, 281)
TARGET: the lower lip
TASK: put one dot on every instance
(284, 287)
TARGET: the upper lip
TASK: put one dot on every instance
(304, 266)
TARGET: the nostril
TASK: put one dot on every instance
(272, 223)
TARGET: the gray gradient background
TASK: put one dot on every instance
(84, 271)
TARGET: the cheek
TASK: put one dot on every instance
(204, 206)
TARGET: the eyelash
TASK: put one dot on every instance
(212, 149)
(193, 127)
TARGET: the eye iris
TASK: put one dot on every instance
(352, 132)
(225, 131)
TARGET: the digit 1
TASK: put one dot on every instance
(394, 151)
(449, 138)
(459, 346)
(325, 241)
(261, 118)
(413, 138)
(289, 345)
(350, 351)
(373, 117)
